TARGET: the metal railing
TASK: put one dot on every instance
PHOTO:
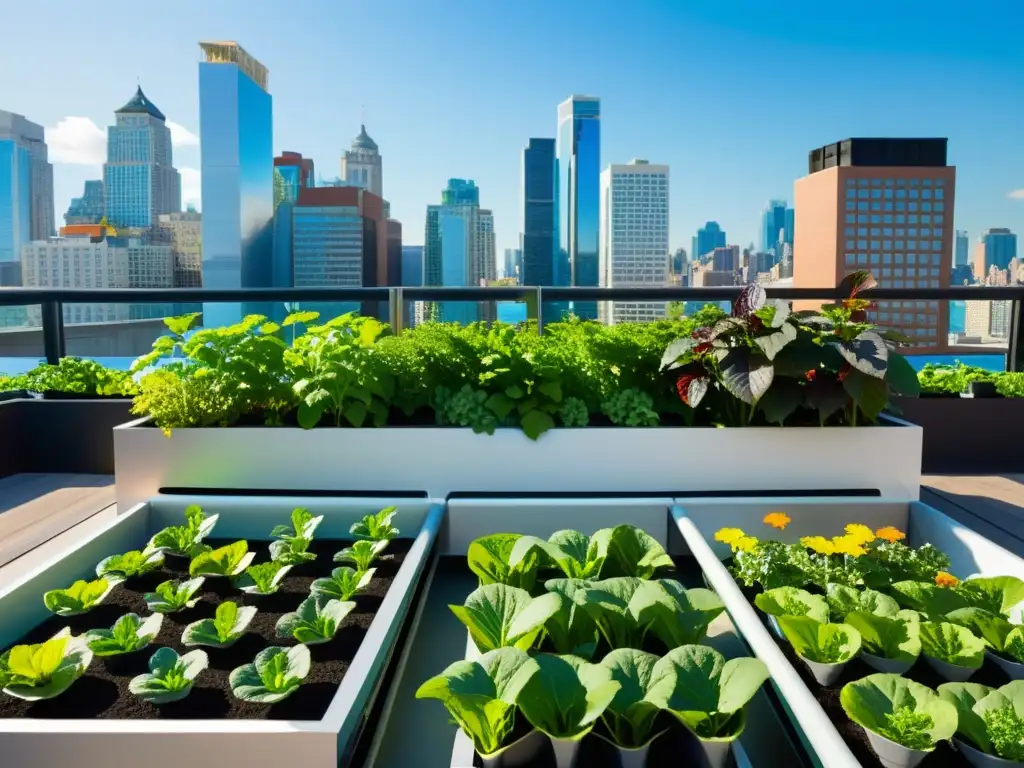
(52, 300)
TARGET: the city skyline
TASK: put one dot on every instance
(714, 181)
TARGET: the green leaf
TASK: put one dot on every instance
(566, 696)
(901, 376)
(869, 393)
(571, 629)
(316, 621)
(876, 700)
(632, 714)
(489, 558)
(842, 600)
(630, 551)
(1002, 712)
(263, 579)
(515, 392)
(45, 670)
(129, 634)
(867, 353)
(781, 400)
(343, 584)
(355, 412)
(818, 642)
(952, 644)
(300, 317)
(361, 554)
(134, 563)
(745, 375)
(773, 343)
(170, 677)
(275, 675)
(501, 405)
(965, 697)
(576, 554)
(931, 600)
(998, 594)
(229, 560)
(376, 526)
(790, 601)
(891, 637)
(80, 597)
(535, 423)
(182, 540)
(224, 630)
(309, 414)
(990, 627)
(615, 606)
(183, 323)
(675, 615)
(500, 616)
(551, 389)
(170, 596)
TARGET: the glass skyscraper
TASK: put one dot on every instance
(776, 218)
(578, 187)
(26, 191)
(236, 141)
(540, 213)
(708, 237)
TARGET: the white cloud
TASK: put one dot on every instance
(191, 187)
(182, 136)
(77, 141)
(1017, 194)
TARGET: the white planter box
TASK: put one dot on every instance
(698, 519)
(439, 461)
(46, 743)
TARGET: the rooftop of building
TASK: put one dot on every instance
(230, 52)
(363, 140)
(139, 104)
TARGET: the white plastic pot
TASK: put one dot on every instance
(952, 672)
(825, 674)
(893, 755)
(632, 757)
(980, 759)
(698, 753)
(565, 752)
(1014, 669)
(882, 664)
(522, 753)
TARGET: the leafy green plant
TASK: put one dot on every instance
(631, 408)
(1010, 384)
(229, 560)
(275, 675)
(843, 600)
(223, 630)
(678, 616)
(706, 693)
(998, 634)
(376, 527)
(172, 596)
(465, 407)
(575, 553)
(996, 594)
(633, 712)
(570, 628)
(629, 551)
(951, 379)
(991, 719)
(500, 616)
(343, 583)
(45, 670)
(292, 546)
(891, 637)
(316, 620)
(481, 695)
(574, 413)
(129, 634)
(566, 695)
(184, 540)
(490, 558)
(615, 605)
(303, 526)
(790, 601)
(130, 564)
(80, 597)
(900, 710)
(818, 642)
(76, 376)
(170, 677)
(263, 578)
(361, 554)
(952, 644)
(931, 600)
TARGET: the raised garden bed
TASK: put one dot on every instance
(97, 719)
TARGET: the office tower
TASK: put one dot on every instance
(540, 213)
(579, 197)
(708, 237)
(90, 208)
(186, 234)
(679, 261)
(26, 191)
(634, 237)
(773, 224)
(886, 206)
(236, 143)
(412, 276)
(460, 192)
(292, 172)
(998, 247)
(393, 268)
(361, 166)
(513, 265)
(963, 246)
(139, 178)
(790, 227)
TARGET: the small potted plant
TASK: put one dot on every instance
(791, 601)
(888, 643)
(953, 651)
(1004, 641)
(824, 648)
(990, 724)
(632, 715)
(498, 615)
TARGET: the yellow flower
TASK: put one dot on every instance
(943, 579)
(819, 544)
(859, 533)
(890, 534)
(744, 544)
(848, 545)
(729, 535)
(777, 520)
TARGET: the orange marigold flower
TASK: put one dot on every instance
(859, 533)
(890, 534)
(777, 520)
(943, 579)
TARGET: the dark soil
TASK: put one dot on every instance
(102, 692)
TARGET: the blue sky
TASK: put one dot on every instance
(730, 94)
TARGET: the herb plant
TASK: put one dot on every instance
(343, 583)
(134, 563)
(172, 596)
(80, 597)
(263, 578)
(170, 676)
(316, 620)
(76, 376)
(229, 560)
(991, 719)
(129, 634)
(184, 540)
(223, 630)
(500, 616)
(361, 554)
(36, 672)
(376, 527)
(275, 675)
(566, 695)
(900, 710)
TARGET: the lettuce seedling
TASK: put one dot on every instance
(615, 605)
(489, 557)
(275, 675)
(171, 596)
(80, 597)
(129, 634)
(675, 615)
(629, 551)
(891, 637)
(900, 710)
(45, 670)
(262, 579)
(376, 527)
(790, 601)
(500, 616)
(292, 547)
(706, 693)
(820, 643)
(134, 563)
(931, 600)
(184, 540)
(481, 695)
(316, 620)
(999, 634)
(229, 560)
(991, 719)
(566, 695)
(579, 556)
(571, 629)
(952, 644)
(632, 714)
(343, 584)
(170, 676)
(291, 551)
(843, 600)
(361, 554)
(223, 630)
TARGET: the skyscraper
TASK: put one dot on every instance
(361, 166)
(26, 191)
(292, 172)
(708, 237)
(140, 181)
(634, 236)
(90, 208)
(540, 213)
(886, 206)
(579, 196)
(236, 140)
(998, 247)
(773, 224)
(962, 255)
(186, 231)
(513, 265)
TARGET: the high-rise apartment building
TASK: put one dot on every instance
(139, 178)
(579, 197)
(26, 191)
(962, 257)
(236, 134)
(886, 206)
(292, 172)
(540, 213)
(186, 234)
(90, 208)
(998, 247)
(634, 237)
(774, 227)
(708, 237)
(362, 165)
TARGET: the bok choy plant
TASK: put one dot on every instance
(361, 554)
(229, 560)
(571, 629)
(900, 710)
(184, 540)
(1000, 635)
(500, 616)
(376, 527)
(275, 675)
(818, 642)
(172, 596)
(843, 600)
(80, 597)
(990, 719)
(129, 634)
(316, 620)
(790, 601)
(490, 558)
(343, 583)
(130, 564)
(223, 630)
(45, 670)
(566, 695)
(292, 545)
(170, 677)
(633, 712)
(897, 638)
(262, 579)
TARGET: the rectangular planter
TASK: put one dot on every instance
(968, 434)
(60, 435)
(698, 519)
(441, 461)
(99, 743)
(418, 733)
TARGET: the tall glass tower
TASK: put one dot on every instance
(579, 197)
(540, 213)
(26, 191)
(773, 223)
(236, 140)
